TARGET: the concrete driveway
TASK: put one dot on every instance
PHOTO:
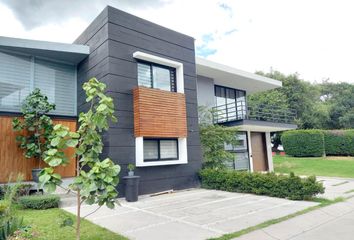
(191, 214)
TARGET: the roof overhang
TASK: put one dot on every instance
(260, 126)
(71, 53)
(234, 78)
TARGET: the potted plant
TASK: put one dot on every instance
(131, 185)
(131, 168)
(35, 129)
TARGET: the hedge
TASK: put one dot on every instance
(303, 143)
(39, 201)
(339, 142)
(269, 184)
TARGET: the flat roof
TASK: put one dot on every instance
(234, 78)
(71, 53)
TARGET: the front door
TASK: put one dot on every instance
(259, 151)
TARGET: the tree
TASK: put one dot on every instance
(36, 126)
(213, 138)
(338, 99)
(96, 180)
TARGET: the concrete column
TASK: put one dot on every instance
(250, 150)
(269, 152)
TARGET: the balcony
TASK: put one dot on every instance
(238, 110)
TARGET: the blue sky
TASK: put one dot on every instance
(313, 38)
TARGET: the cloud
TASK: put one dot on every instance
(36, 13)
(313, 38)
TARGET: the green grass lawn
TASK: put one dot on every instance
(319, 166)
(47, 224)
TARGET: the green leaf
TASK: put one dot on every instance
(55, 141)
(52, 151)
(54, 162)
(50, 187)
(71, 142)
(74, 135)
(110, 205)
(44, 178)
(56, 176)
(57, 126)
(101, 107)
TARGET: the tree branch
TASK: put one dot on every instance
(92, 212)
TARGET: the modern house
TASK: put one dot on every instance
(156, 82)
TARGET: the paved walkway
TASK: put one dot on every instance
(193, 214)
(337, 187)
(328, 223)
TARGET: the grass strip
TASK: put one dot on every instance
(323, 203)
(350, 191)
(341, 183)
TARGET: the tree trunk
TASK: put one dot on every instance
(78, 218)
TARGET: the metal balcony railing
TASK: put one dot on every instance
(238, 111)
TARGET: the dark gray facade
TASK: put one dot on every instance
(113, 37)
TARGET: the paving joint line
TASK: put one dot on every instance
(180, 221)
(250, 213)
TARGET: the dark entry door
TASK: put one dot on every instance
(259, 151)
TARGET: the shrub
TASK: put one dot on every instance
(21, 189)
(4, 207)
(282, 186)
(39, 201)
(9, 227)
(339, 142)
(303, 143)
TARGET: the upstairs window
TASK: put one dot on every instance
(157, 76)
(230, 104)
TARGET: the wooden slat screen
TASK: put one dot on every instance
(12, 160)
(159, 113)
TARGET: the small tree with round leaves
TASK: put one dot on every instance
(36, 127)
(96, 180)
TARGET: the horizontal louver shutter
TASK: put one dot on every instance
(144, 75)
(15, 75)
(57, 81)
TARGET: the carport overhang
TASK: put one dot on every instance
(260, 126)
(65, 52)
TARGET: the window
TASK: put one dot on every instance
(231, 103)
(240, 152)
(20, 74)
(15, 71)
(160, 149)
(157, 76)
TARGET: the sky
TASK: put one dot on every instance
(312, 38)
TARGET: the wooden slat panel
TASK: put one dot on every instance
(12, 160)
(159, 113)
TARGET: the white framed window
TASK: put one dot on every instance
(162, 74)
(156, 76)
(160, 151)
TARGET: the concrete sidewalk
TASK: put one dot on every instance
(193, 214)
(337, 187)
(329, 223)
